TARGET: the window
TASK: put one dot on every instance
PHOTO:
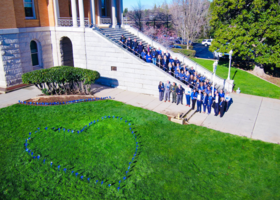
(34, 53)
(103, 8)
(29, 9)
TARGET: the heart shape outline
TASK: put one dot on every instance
(31, 153)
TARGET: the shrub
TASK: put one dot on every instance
(198, 41)
(186, 52)
(61, 79)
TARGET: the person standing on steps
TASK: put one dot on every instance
(159, 61)
(123, 40)
(222, 107)
(148, 48)
(193, 97)
(154, 56)
(161, 90)
(204, 101)
(167, 88)
(221, 94)
(167, 54)
(140, 48)
(228, 100)
(180, 92)
(165, 63)
(135, 46)
(148, 58)
(216, 103)
(209, 103)
(173, 91)
(199, 100)
(159, 51)
(188, 95)
(128, 44)
(143, 55)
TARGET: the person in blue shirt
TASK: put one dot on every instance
(208, 90)
(140, 48)
(192, 71)
(193, 97)
(188, 95)
(204, 101)
(123, 40)
(187, 77)
(180, 92)
(154, 56)
(143, 54)
(177, 73)
(161, 90)
(167, 89)
(209, 103)
(148, 58)
(176, 61)
(199, 101)
(135, 46)
(221, 94)
(159, 51)
(128, 44)
(182, 76)
(222, 107)
(201, 87)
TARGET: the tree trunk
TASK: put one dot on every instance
(259, 70)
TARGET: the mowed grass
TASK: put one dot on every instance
(248, 83)
(173, 162)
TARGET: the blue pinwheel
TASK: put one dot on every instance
(38, 157)
(58, 167)
(77, 174)
(88, 179)
(65, 170)
(82, 177)
(51, 164)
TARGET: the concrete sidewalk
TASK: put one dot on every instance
(250, 116)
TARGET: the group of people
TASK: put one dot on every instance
(165, 61)
(201, 97)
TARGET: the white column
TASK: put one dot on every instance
(92, 6)
(121, 7)
(74, 13)
(82, 14)
(56, 11)
(114, 20)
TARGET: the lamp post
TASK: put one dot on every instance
(230, 56)
(215, 64)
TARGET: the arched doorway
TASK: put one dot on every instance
(66, 51)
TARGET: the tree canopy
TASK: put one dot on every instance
(251, 28)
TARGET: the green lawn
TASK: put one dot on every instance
(173, 161)
(248, 83)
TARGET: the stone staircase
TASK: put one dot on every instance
(114, 35)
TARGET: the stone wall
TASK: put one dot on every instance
(16, 55)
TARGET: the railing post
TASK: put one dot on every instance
(56, 12)
(74, 13)
(82, 14)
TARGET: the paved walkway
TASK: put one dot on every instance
(250, 116)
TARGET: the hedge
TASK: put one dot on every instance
(62, 80)
(186, 52)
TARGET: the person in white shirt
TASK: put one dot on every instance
(228, 101)
(188, 92)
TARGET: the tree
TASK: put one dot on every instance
(137, 15)
(165, 14)
(125, 12)
(251, 28)
(189, 17)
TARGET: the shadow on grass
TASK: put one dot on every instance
(234, 74)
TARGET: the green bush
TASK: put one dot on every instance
(61, 80)
(186, 52)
